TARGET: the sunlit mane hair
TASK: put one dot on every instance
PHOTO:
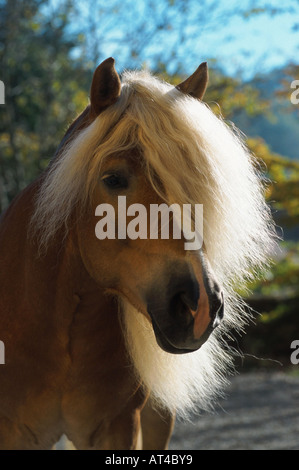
(198, 159)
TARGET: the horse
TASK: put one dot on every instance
(106, 341)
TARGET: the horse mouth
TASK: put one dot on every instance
(184, 312)
(171, 346)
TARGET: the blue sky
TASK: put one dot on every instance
(245, 46)
(259, 44)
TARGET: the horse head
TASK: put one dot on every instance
(174, 288)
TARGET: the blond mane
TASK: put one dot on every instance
(199, 159)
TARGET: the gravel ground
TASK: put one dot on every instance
(260, 412)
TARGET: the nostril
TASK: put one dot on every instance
(191, 302)
(180, 310)
(183, 292)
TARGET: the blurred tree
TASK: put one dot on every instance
(43, 88)
(283, 191)
(276, 295)
(48, 51)
(170, 32)
(291, 73)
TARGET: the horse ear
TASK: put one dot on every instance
(105, 87)
(197, 83)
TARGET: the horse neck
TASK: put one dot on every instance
(58, 277)
(51, 308)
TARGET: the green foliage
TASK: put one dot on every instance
(280, 283)
(283, 187)
(291, 73)
(230, 96)
(279, 126)
(43, 89)
(282, 280)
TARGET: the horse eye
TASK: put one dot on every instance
(115, 181)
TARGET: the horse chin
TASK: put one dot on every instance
(189, 345)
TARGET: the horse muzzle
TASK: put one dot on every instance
(186, 312)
